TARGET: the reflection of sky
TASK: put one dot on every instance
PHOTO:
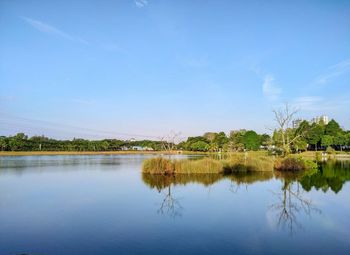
(76, 209)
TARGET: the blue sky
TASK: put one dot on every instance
(99, 69)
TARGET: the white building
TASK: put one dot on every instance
(296, 123)
(320, 119)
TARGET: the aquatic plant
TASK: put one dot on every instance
(237, 163)
(294, 164)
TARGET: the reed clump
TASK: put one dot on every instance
(238, 163)
(294, 164)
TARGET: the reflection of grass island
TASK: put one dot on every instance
(331, 175)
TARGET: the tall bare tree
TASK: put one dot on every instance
(169, 140)
(283, 118)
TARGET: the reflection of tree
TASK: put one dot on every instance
(332, 175)
(292, 204)
(170, 205)
(246, 178)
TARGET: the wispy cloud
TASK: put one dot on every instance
(49, 29)
(333, 72)
(318, 104)
(308, 103)
(141, 3)
(270, 89)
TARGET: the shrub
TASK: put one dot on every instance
(289, 164)
(158, 166)
(330, 150)
(295, 164)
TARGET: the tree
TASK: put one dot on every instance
(199, 146)
(188, 145)
(283, 117)
(251, 140)
(236, 139)
(332, 128)
(340, 140)
(168, 141)
(210, 136)
(300, 145)
(17, 142)
(326, 140)
(220, 140)
(315, 134)
(3, 143)
(265, 139)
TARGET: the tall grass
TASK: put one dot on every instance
(237, 163)
(295, 164)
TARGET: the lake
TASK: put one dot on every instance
(102, 204)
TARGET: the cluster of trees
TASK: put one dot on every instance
(236, 141)
(21, 142)
(306, 136)
(315, 136)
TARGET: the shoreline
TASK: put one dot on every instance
(308, 154)
(52, 153)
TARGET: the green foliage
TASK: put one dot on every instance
(192, 143)
(327, 140)
(210, 136)
(315, 134)
(340, 139)
(21, 142)
(251, 140)
(330, 150)
(265, 140)
(332, 128)
(295, 164)
(220, 140)
(236, 140)
(199, 146)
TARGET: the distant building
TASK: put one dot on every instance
(323, 119)
(320, 119)
(140, 148)
(296, 123)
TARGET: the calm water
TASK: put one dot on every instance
(104, 205)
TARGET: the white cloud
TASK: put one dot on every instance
(48, 29)
(270, 89)
(308, 103)
(141, 3)
(333, 72)
(320, 105)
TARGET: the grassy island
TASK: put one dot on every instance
(233, 163)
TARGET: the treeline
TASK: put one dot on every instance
(315, 136)
(21, 142)
(236, 141)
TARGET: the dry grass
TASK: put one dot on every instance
(234, 163)
(295, 164)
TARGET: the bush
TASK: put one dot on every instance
(294, 164)
(158, 166)
(289, 164)
(330, 150)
